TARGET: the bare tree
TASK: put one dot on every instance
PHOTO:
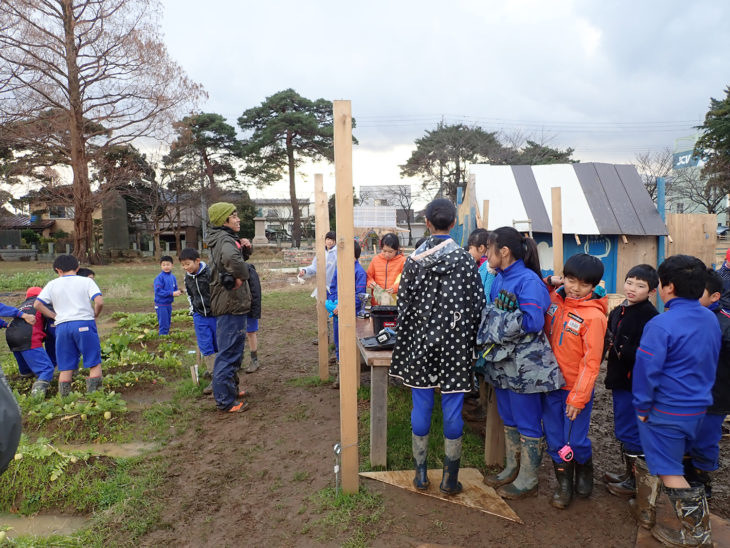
(652, 165)
(100, 67)
(688, 183)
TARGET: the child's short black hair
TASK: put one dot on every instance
(85, 272)
(441, 213)
(584, 267)
(391, 240)
(65, 263)
(189, 254)
(687, 273)
(645, 273)
(478, 237)
(358, 249)
(165, 258)
(330, 235)
(714, 282)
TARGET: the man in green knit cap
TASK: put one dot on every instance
(230, 298)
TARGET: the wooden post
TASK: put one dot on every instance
(494, 429)
(557, 230)
(322, 223)
(349, 360)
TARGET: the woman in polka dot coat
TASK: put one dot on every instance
(440, 300)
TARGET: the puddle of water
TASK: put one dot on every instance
(42, 525)
(115, 450)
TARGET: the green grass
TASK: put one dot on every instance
(400, 452)
(358, 515)
(312, 381)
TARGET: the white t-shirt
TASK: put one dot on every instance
(70, 297)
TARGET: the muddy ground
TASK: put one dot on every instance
(246, 479)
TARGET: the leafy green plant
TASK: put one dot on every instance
(73, 406)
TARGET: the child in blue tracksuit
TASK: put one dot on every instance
(197, 287)
(26, 343)
(360, 287)
(672, 388)
(703, 456)
(166, 290)
(12, 312)
(519, 362)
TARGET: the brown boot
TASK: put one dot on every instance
(643, 507)
(690, 504)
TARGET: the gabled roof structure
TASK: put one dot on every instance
(596, 198)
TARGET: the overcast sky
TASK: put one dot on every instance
(607, 78)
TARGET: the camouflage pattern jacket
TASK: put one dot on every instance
(515, 360)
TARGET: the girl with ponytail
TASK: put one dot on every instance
(519, 361)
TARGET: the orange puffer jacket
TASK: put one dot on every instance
(576, 329)
(385, 272)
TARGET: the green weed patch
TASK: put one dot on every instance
(20, 281)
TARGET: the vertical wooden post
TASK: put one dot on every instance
(349, 362)
(557, 222)
(494, 428)
(322, 223)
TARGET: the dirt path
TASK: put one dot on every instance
(246, 479)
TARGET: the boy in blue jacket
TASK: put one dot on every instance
(166, 290)
(672, 387)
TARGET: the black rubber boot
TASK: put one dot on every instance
(695, 476)
(420, 459)
(584, 478)
(628, 460)
(64, 388)
(626, 488)
(450, 484)
(694, 515)
(39, 389)
(563, 494)
(648, 487)
(512, 449)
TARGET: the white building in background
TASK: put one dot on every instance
(398, 198)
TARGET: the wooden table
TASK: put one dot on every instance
(379, 362)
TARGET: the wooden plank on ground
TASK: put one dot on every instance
(476, 493)
(349, 362)
(322, 224)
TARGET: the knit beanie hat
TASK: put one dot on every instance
(219, 212)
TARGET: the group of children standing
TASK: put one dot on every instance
(541, 343)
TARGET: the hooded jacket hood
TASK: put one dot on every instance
(438, 255)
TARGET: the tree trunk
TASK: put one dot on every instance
(83, 208)
(208, 167)
(158, 252)
(296, 233)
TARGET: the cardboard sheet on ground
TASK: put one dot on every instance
(475, 495)
(666, 516)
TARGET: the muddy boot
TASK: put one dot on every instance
(450, 484)
(209, 361)
(93, 384)
(525, 485)
(643, 507)
(64, 388)
(512, 450)
(618, 477)
(39, 389)
(563, 495)
(627, 487)
(254, 363)
(695, 476)
(694, 516)
(420, 457)
(584, 478)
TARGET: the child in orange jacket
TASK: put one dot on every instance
(385, 270)
(576, 326)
